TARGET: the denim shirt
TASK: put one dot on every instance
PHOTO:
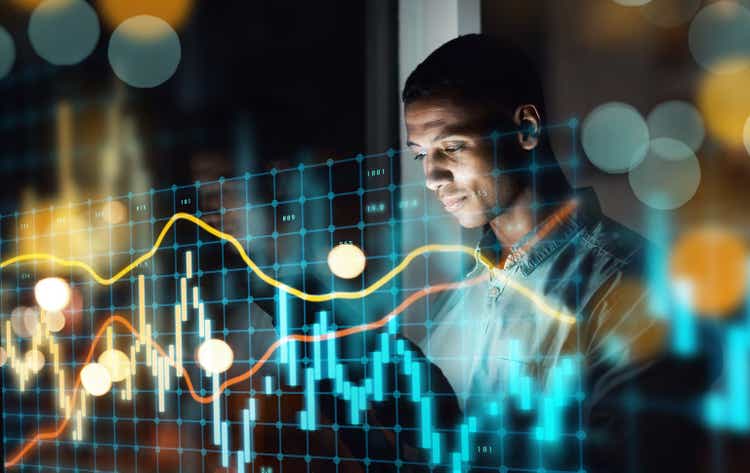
(487, 336)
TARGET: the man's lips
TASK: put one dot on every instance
(452, 204)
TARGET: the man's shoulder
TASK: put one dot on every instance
(625, 247)
(602, 258)
(612, 245)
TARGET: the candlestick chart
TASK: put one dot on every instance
(150, 331)
(206, 327)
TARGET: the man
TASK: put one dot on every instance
(560, 333)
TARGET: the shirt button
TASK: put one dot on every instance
(494, 292)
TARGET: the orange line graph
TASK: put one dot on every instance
(118, 319)
(553, 222)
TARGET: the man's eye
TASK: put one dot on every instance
(454, 148)
(419, 156)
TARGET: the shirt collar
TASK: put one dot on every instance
(548, 236)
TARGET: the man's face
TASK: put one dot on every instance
(449, 137)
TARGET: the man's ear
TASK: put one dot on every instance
(528, 120)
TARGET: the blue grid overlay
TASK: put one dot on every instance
(287, 220)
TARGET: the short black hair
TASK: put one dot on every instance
(480, 69)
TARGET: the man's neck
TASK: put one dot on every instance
(518, 219)
(515, 221)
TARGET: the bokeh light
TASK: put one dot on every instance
(670, 13)
(144, 51)
(714, 261)
(117, 364)
(663, 183)
(18, 322)
(678, 120)
(24, 321)
(114, 212)
(215, 356)
(52, 294)
(55, 321)
(615, 137)
(174, 12)
(669, 148)
(7, 52)
(31, 320)
(724, 102)
(346, 261)
(3, 357)
(631, 3)
(95, 379)
(34, 360)
(720, 37)
(64, 32)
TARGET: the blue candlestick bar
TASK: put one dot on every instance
(731, 410)
(549, 404)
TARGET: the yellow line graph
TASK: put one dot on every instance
(534, 298)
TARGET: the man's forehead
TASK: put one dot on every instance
(434, 112)
(432, 116)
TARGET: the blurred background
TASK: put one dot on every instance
(110, 107)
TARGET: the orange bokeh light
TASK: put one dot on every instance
(174, 12)
(724, 100)
(714, 261)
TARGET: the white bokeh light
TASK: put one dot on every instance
(346, 261)
(144, 51)
(679, 121)
(95, 379)
(117, 364)
(31, 320)
(615, 137)
(18, 322)
(215, 356)
(631, 3)
(719, 37)
(64, 32)
(55, 321)
(52, 294)
(665, 183)
(34, 360)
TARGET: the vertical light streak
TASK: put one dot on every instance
(142, 308)
(189, 264)
(178, 338)
(61, 388)
(183, 299)
(310, 398)
(201, 320)
(161, 362)
(283, 324)
(426, 428)
(149, 355)
(216, 409)
(316, 353)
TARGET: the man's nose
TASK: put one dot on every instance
(437, 174)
